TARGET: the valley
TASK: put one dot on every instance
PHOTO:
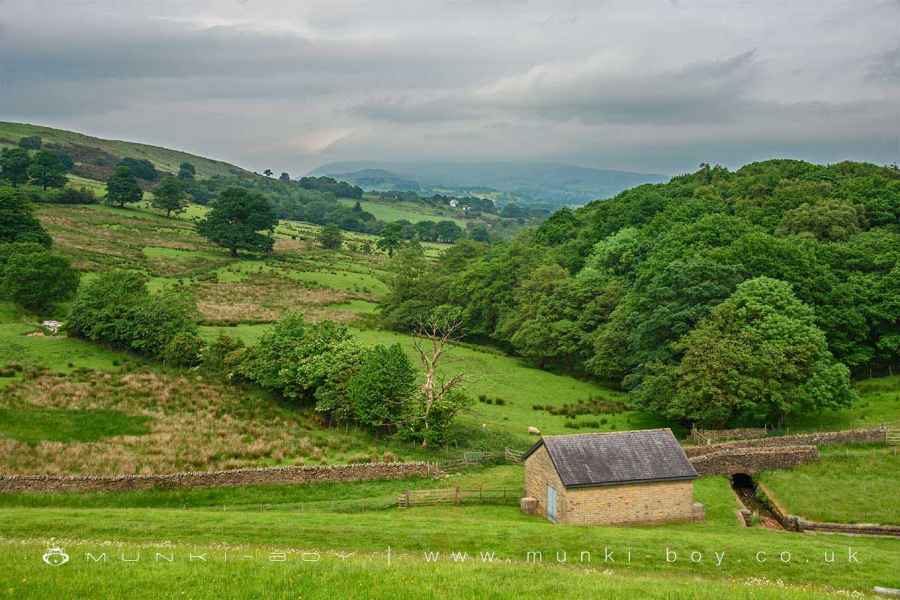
(69, 406)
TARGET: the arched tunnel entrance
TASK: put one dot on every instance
(745, 489)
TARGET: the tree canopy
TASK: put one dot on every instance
(17, 220)
(169, 196)
(33, 278)
(628, 290)
(14, 164)
(237, 221)
(122, 188)
(46, 169)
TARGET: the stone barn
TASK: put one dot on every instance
(610, 478)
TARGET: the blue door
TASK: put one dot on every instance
(551, 504)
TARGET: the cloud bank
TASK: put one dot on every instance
(652, 86)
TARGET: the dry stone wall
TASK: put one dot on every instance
(236, 477)
(714, 436)
(850, 436)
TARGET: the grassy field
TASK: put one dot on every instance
(879, 404)
(408, 211)
(519, 386)
(266, 575)
(845, 486)
(299, 520)
(299, 276)
(19, 343)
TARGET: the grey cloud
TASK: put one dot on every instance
(611, 84)
(705, 91)
(886, 67)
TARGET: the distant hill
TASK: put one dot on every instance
(531, 182)
(379, 180)
(94, 153)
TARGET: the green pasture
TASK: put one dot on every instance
(263, 574)
(845, 486)
(724, 553)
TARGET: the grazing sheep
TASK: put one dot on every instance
(534, 431)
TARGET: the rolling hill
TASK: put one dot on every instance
(88, 149)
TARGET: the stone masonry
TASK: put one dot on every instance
(608, 504)
(235, 477)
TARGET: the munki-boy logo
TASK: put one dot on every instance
(55, 556)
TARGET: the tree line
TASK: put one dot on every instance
(720, 297)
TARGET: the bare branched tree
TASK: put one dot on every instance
(439, 329)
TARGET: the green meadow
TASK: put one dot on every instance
(719, 554)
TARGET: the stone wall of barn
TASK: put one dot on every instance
(539, 473)
(654, 502)
(610, 505)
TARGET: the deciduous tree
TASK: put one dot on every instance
(169, 196)
(237, 221)
(14, 165)
(391, 238)
(122, 188)
(331, 237)
(35, 279)
(46, 170)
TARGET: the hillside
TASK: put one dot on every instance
(316, 201)
(674, 292)
(89, 149)
(528, 182)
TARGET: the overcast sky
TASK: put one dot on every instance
(655, 85)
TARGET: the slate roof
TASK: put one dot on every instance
(594, 459)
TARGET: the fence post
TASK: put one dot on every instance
(457, 495)
(408, 499)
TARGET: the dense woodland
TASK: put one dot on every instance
(717, 298)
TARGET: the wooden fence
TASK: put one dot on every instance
(892, 437)
(469, 459)
(458, 495)
(514, 456)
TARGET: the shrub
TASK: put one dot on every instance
(382, 389)
(68, 196)
(499, 401)
(117, 309)
(306, 362)
(35, 279)
(220, 355)
(17, 220)
(434, 428)
(31, 142)
(140, 168)
(330, 237)
(185, 349)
